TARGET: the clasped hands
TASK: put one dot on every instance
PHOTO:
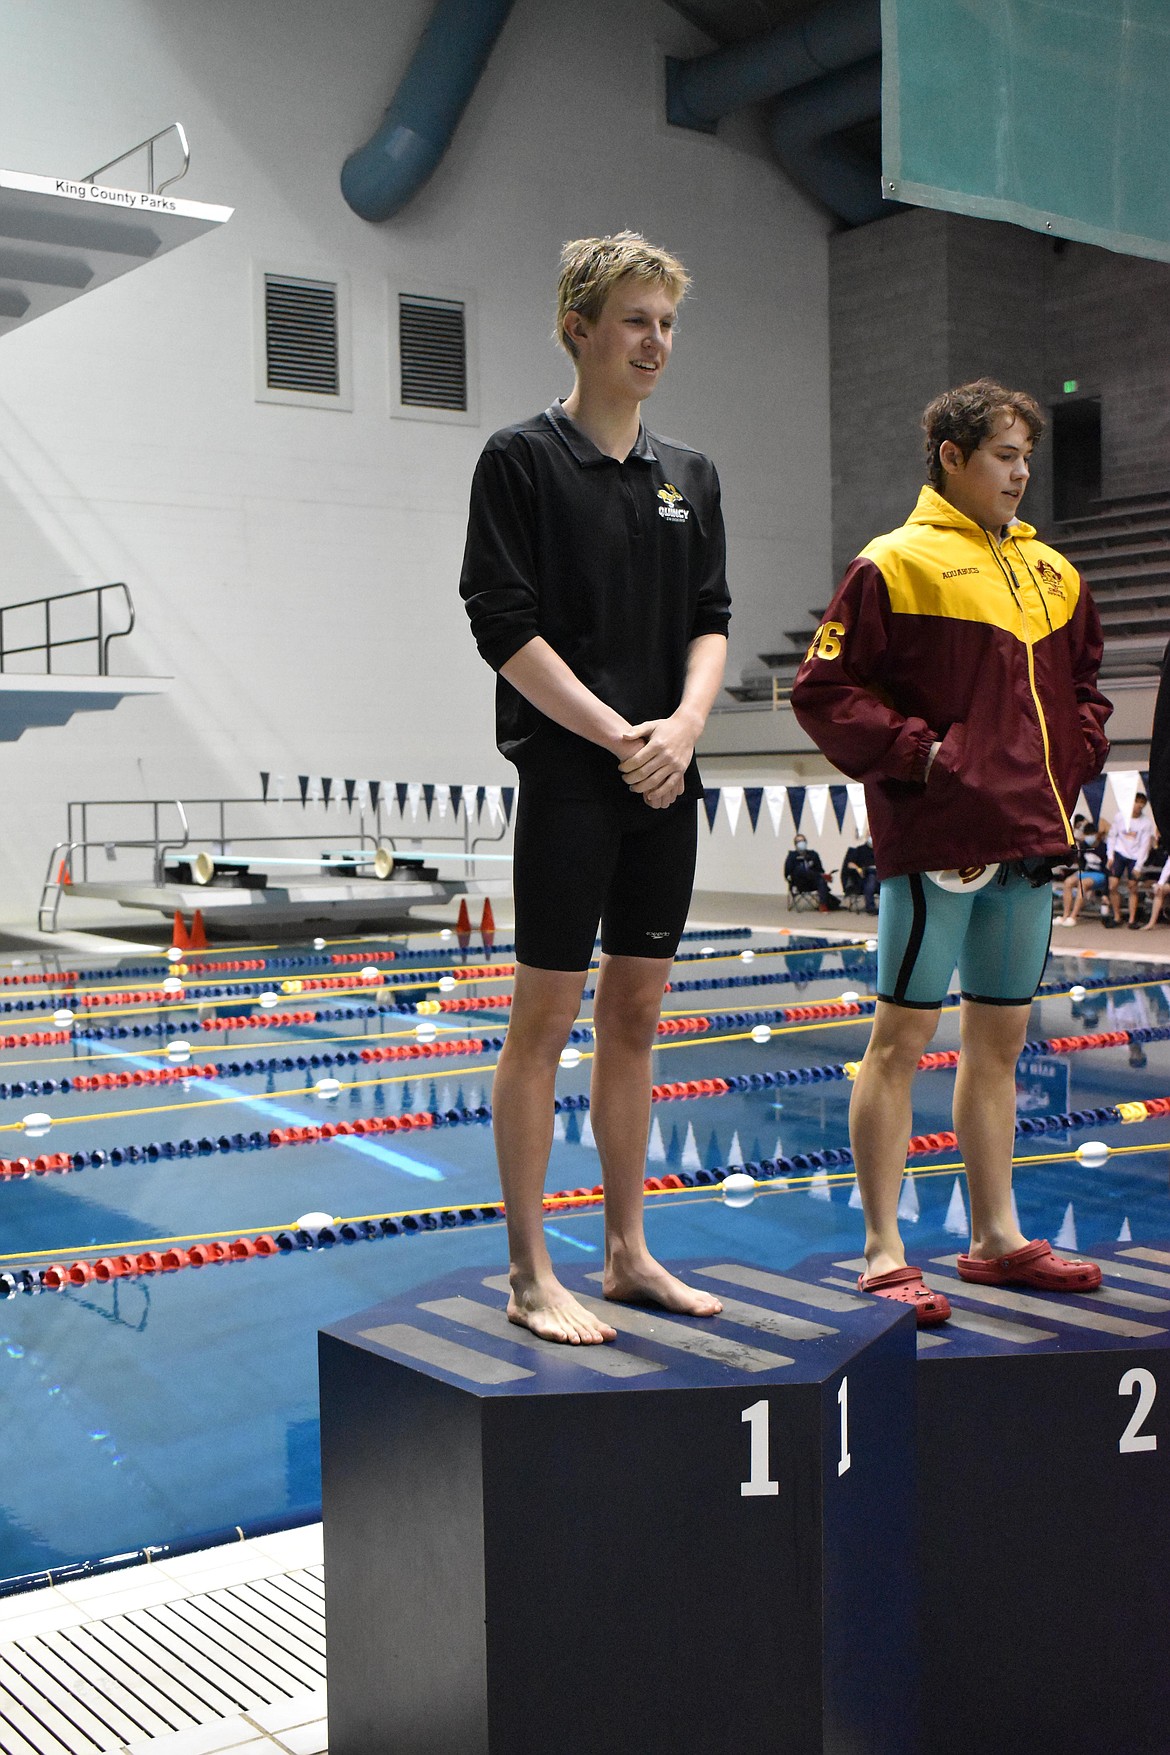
(660, 752)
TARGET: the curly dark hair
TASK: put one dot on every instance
(971, 414)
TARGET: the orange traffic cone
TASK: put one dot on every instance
(63, 878)
(463, 924)
(488, 922)
(179, 939)
(198, 937)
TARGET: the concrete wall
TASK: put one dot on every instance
(295, 569)
(890, 339)
(925, 300)
(1107, 327)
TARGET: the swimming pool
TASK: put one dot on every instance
(158, 1407)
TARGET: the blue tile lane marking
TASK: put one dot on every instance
(563, 1237)
(291, 1118)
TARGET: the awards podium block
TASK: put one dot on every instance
(699, 1538)
(1044, 1474)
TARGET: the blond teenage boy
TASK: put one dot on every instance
(594, 581)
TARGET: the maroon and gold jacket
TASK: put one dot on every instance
(938, 632)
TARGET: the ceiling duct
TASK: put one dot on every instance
(822, 72)
(388, 171)
(805, 127)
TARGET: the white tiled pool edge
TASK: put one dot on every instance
(295, 1725)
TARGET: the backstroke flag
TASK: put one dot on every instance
(1049, 113)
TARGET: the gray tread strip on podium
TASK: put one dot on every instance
(1161, 1256)
(444, 1354)
(1125, 1270)
(1070, 1315)
(767, 1322)
(796, 1291)
(489, 1319)
(669, 1332)
(1106, 1295)
(998, 1328)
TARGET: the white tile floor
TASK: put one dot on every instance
(296, 1725)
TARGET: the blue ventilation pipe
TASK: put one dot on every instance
(840, 33)
(388, 171)
(801, 128)
(825, 74)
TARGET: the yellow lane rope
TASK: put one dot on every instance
(257, 976)
(322, 996)
(470, 1026)
(428, 1071)
(236, 1097)
(590, 1206)
(456, 1029)
(425, 1069)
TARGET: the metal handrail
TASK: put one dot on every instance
(48, 645)
(162, 848)
(148, 146)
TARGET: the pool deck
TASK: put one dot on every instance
(182, 1603)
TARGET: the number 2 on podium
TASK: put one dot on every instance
(1145, 1384)
(759, 1484)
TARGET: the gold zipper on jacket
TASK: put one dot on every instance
(1014, 589)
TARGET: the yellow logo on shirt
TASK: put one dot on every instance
(672, 507)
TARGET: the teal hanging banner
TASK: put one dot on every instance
(1049, 113)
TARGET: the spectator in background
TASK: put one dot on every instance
(1094, 875)
(1129, 843)
(1067, 872)
(804, 873)
(859, 874)
(1160, 756)
(1160, 888)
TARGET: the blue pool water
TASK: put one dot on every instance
(154, 1409)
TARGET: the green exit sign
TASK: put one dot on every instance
(1070, 384)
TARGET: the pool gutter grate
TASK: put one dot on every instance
(94, 1688)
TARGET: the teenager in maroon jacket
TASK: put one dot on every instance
(955, 674)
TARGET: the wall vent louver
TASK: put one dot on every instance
(301, 335)
(432, 344)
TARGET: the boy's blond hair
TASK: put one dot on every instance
(591, 268)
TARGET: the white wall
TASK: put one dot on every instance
(295, 569)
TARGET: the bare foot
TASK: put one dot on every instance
(882, 1261)
(545, 1307)
(647, 1282)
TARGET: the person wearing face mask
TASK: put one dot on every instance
(955, 674)
(1094, 863)
(1067, 873)
(859, 874)
(804, 873)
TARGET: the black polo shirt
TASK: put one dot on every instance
(619, 566)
